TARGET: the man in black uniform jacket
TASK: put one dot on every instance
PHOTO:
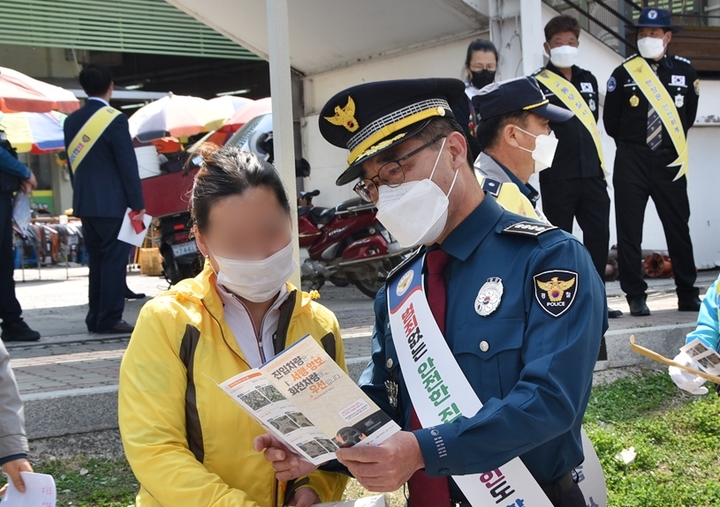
(574, 186)
(645, 151)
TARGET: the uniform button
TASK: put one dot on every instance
(484, 346)
(389, 363)
(443, 471)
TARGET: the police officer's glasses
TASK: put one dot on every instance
(391, 174)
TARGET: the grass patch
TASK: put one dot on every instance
(676, 437)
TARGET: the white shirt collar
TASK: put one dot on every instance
(99, 100)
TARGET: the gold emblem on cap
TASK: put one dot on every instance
(381, 145)
(345, 116)
(634, 101)
(441, 111)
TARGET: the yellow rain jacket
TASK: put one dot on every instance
(187, 442)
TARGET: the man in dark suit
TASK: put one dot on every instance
(105, 182)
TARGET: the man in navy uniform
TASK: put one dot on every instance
(14, 176)
(105, 183)
(530, 361)
(648, 161)
(574, 186)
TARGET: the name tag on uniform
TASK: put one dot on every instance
(677, 81)
(587, 87)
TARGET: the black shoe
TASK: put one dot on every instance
(638, 308)
(130, 295)
(614, 314)
(121, 327)
(689, 305)
(19, 332)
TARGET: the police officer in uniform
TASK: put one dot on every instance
(513, 130)
(530, 361)
(14, 176)
(574, 186)
(645, 150)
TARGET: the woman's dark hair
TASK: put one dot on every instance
(488, 131)
(480, 45)
(225, 172)
(561, 24)
(95, 79)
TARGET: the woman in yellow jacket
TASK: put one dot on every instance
(187, 442)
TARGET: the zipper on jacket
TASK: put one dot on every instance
(222, 333)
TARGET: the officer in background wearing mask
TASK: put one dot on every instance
(574, 186)
(514, 307)
(187, 442)
(481, 63)
(645, 95)
(517, 141)
(14, 176)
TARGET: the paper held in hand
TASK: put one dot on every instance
(39, 492)
(706, 358)
(307, 401)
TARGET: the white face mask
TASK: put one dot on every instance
(563, 57)
(415, 212)
(544, 152)
(651, 48)
(257, 281)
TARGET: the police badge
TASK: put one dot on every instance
(592, 105)
(679, 100)
(488, 299)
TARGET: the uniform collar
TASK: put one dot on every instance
(98, 99)
(665, 61)
(552, 68)
(526, 188)
(468, 235)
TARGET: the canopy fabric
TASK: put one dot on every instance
(35, 133)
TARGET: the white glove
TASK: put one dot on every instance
(686, 380)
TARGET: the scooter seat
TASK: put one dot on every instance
(321, 216)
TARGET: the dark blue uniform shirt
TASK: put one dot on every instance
(531, 369)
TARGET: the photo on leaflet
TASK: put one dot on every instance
(255, 400)
(353, 435)
(271, 393)
(284, 424)
(313, 448)
(300, 419)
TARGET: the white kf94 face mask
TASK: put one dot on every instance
(651, 48)
(563, 57)
(544, 152)
(257, 281)
(415, 212)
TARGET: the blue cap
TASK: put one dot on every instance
(651, 17)
(513, 95)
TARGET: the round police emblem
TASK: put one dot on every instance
(404, 283)
(488, 299)
(652, 15)
(592, 105)
(679, 100)
(612, 84)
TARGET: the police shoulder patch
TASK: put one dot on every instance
(528, 228)
(683, 59)
(555, 290)
(611, 84)
(491, 186)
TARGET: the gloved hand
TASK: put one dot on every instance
(686, 380)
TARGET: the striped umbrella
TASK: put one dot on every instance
(21, 93)
(36, 133)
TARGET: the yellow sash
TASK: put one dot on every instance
(510, 198)
(659, 98)
(568, 95)
(88, 135)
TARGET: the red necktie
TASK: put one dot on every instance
(431, 491)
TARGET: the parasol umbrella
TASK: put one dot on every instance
(21, 93)
(230, 104)
(247, 113)
(177, 116)
(36, 133)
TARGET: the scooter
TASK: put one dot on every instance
(346, 245)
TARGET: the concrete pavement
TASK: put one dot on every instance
(69, 378)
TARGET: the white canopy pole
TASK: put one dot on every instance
(281, 92)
